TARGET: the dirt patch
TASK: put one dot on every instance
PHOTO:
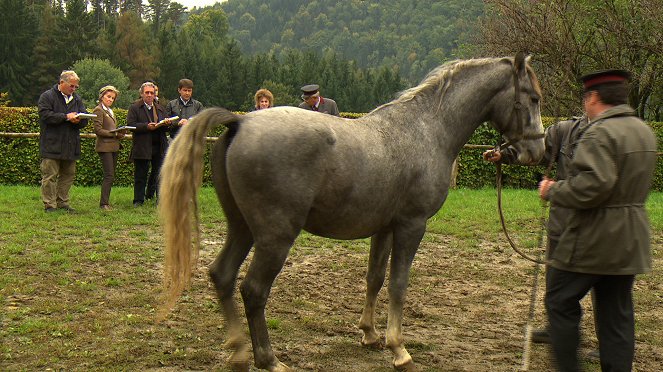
(466, 310)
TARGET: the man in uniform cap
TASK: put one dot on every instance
(606, 239)
(315, 102)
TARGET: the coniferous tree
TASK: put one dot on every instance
(17, 37)
(170, 66)
(45, 71)
(156, 12)
(136, 51)
(76, 34)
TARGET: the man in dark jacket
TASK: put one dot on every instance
(184, 107)
(315, 102)
(606, 240)
(149, 142)
(59, 140)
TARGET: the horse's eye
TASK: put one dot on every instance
(535, 100)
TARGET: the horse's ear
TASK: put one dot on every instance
(520, 61)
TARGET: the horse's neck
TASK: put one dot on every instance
(452, 119)
(452, 122)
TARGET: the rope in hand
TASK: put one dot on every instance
(537, 261)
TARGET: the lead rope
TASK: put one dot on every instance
(535, 289)
(537, 261)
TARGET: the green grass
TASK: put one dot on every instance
(79, 291)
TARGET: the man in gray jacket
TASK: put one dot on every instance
(606, 240)
(184, 106)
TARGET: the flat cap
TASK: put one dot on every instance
(604, 76)
(311, 89)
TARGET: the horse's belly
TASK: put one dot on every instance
(356, 225)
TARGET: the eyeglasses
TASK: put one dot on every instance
(72, 86)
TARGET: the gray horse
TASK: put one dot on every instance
(285, 169)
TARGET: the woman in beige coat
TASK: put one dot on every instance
(108, 142)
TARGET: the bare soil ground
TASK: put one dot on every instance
(466, 311)
(466, 308)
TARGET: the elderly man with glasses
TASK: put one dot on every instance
(149, 142)
(60, 110)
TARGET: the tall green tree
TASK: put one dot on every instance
(45, 70)
(76, 34)
(202, 43)
(156, 12)
(170, 65)
(18, 33)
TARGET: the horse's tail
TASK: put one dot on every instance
(181, 177)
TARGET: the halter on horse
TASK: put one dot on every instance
(283, 170)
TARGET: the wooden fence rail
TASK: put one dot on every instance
(209, 139)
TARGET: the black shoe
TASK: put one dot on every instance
(594, 355)
(50, 210)
(540, 336)
(67, 208)
(138, 204)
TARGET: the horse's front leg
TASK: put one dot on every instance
(377, 267)
(406, 242)
(268, 259)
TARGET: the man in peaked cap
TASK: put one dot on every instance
(606, 240)
(315, 102)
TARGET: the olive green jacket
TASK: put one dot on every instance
(561, 139)
(609, 179)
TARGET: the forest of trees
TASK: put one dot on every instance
(361, 52)
(127, 42)
(412, 35)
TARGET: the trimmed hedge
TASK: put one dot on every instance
(20, 161)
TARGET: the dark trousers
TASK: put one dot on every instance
(108, 164)
(613, 311)
(144, 187)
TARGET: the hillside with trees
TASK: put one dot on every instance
(412, 36)
(126, 42)
(361, 52)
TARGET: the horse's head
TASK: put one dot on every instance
(518, 114)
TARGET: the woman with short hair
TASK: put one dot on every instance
(107, 144)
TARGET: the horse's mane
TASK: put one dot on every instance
(439, 79)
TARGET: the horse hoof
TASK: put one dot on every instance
(239, 360)
(375, 345)
(239, 366)
(407, 367)
(280, 367)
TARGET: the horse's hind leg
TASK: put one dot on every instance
(223, 273)
(268, 259)
(225, 268)
(406, 242)
(377, 267)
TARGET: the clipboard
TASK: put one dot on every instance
(85, 115)
(167, 121)
(122, 128)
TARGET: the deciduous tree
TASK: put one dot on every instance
(569, 38)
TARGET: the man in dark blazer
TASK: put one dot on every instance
(315, 102)
(149, 143)
(59, 140)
